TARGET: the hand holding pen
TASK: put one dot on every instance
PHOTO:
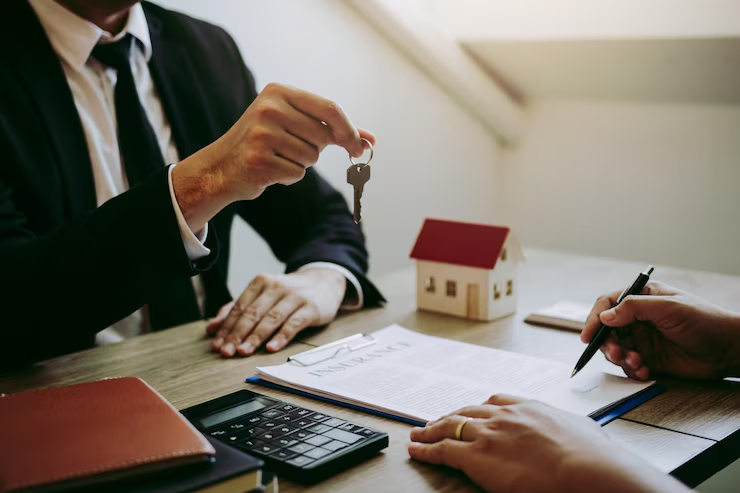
(602, 335)
(667, 331)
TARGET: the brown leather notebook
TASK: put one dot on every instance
(68, 437)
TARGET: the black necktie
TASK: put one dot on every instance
(141, 155)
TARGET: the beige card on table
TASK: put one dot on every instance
(563, 314)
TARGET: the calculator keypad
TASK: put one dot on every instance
(291, 434)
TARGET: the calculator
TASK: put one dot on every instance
(299, 444)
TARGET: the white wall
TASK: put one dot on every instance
(646, 182)
(432, 159)
(585, 19)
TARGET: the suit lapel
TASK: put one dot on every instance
(41, 71)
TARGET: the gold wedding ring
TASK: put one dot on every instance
(362, 165)
(459, 429)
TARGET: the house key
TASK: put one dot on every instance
(357, 175)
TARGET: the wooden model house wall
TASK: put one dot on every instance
(466, 269)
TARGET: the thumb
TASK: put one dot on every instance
(633, 308)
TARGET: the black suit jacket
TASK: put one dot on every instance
(70, 269)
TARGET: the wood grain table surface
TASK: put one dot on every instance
(692, 430)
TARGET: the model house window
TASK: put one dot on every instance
(503, 255)
(496, 292)
(451, 289)
(429, 286)
(509, 288)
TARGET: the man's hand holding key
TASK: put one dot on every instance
(280, 135)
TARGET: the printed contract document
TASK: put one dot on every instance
(421, 377)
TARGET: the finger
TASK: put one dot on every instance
(482, 411)
(593, 323)
(274, 318)
(215, 323)
(343, 130)
(367, 134)
(304, 317)
(307, 129)
(505, 400)
(635, 308)
(444, 428)
(290, 172)
(448, 452)
(254, 289)
(295, 150)
(250, 317)
(613, 352)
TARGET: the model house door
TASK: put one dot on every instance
(473, 309)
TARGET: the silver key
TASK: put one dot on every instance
(357, 175)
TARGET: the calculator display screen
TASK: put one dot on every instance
(231, 413)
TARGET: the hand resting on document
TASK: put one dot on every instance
(511, 444)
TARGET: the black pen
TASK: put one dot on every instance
(603, 333)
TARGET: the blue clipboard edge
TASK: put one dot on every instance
(602, 419)
(628, 405)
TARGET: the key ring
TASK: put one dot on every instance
(362, 165)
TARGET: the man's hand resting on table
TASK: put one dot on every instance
(516, 445)
(277, 308)
(666, 331)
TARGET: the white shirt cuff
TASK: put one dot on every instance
(193, 242)
(352, 301)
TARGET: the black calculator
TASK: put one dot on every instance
(299, 444)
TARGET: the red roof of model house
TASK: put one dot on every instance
(452, 242)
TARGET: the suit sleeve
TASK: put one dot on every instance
(308, 221)
(58, 290)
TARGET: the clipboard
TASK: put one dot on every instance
(359, 341)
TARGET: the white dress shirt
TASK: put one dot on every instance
(93, 88)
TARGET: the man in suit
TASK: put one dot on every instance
(100, 229)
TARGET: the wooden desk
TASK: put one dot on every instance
(692, 431)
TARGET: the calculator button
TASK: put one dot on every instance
(317, 453)
(318, 428)
(301, 448)
(284, 429)
(287, 408)
(335, 445)
(246, 444)
(243, 433)
(351, 427)
(318, 417)
(302, 435)
(301, 413)
(269, 424)
(301, 460)
(302, 422)
(333, 422)
(264, 449)
(255, 419)
(283, 454)
(284, 442)
(285, 418)
(367, 432)
(272, 413)
(217, 433)
(250, 444)
(238, 426)
(343, 436)
(318, 440)
(269, 436)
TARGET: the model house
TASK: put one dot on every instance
(466, 269)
